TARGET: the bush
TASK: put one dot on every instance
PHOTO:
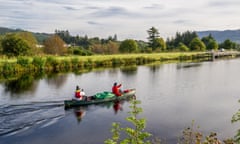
(38, 62)
(23, 61)
(135, 135)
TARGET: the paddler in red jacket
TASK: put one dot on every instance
(77, 94)
(116, 89)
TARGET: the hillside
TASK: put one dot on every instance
(39, 36)
(220, 36)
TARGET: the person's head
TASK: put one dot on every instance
(115, 84)
(77, 87)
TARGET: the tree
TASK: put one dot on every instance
(185, 38)
(212, 45)
(197, 45)
(112, 47)
(31, 41)
(14, 45)
(210, 42)
(228, 44)
(183, 47)
(128, 46)
(153, 35)
(1, 38)
(55, 45)
(160, 44)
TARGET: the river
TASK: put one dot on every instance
(172, 97)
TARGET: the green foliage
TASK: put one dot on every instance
(81, 51)
(38, 62)
(128, 46)
(1, 49)
(228, 44)
(210, 42)
(197, 45)
(30, 40)
(8, 67)
(185, 38)
(153, 35)
(23, 61)
(13, 45)
(160, 44)
(135, 135)
(183, 47)
(236, 118)
(52, 63)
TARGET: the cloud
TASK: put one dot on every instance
(224, 3)
(155, 6)
(125, 18)
(112, 12)
(93, 23)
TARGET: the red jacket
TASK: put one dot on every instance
(115, 90)
(77, 94)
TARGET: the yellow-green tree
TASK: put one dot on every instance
(31, 41)
(197, 45)
(14, 45)
(128, 46)
(55, 45)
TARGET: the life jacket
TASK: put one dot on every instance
(115, 90)
(77, 94)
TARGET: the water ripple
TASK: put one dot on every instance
(20, 117)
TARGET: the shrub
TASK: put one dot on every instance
(38, 62)
(135, 135)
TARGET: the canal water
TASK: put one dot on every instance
(172, 97)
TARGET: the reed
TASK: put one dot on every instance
(70, 63)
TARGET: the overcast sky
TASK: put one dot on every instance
(126, 18)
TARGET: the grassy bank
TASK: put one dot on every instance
(17, 65)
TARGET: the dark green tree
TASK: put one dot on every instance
(228, 44)
(1, 49)
(210, 42)
(14, 45)
(128, 46)
(212, 45)
(197, 45)
(153, 35)
(185, 38)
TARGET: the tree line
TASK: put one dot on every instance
(63, 43)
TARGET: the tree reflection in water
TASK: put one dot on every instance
(23, 83)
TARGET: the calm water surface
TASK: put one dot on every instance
(172, 96)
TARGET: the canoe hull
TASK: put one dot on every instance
(74, 103)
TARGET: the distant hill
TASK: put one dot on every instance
(220, 36)
(39, 36)
(4, 30)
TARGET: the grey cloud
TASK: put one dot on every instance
(223, 3)
(155, 6)
(179, 21)
(113, 11)
(69, 8)
(93, 23)
(93, 8)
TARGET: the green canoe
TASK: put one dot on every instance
(99, 98)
